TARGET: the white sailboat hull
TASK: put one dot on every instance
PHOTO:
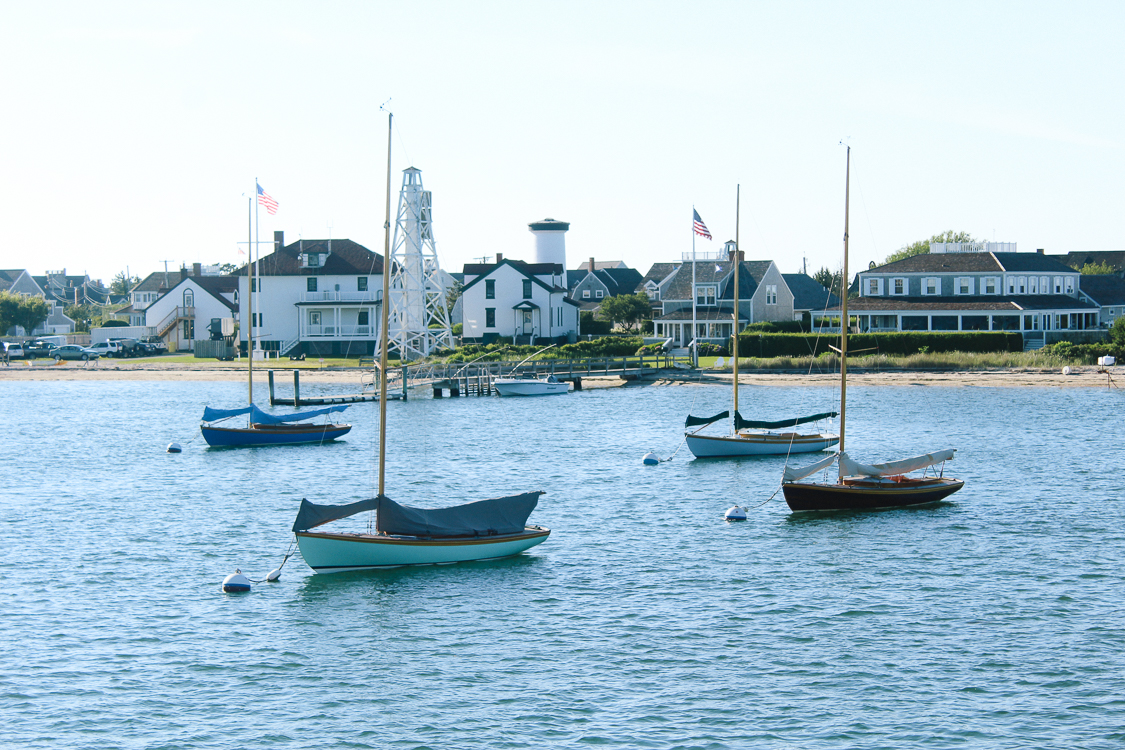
(336, 553)
(758, 444)
(516, 387)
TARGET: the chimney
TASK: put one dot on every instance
(183, 273)
(278, 240)
(591, 265)
(499, 257)
(1039, 250)
(197, 269)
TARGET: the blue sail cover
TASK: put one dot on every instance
(258, 416)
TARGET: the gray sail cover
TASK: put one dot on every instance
(501, 515)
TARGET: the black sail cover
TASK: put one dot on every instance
(501, 515)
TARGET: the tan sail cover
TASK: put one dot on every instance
(794, 473)
(850, 468)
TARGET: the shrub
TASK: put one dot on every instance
(588, 324)
(902, 343)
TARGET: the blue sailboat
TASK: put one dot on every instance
(271, 429)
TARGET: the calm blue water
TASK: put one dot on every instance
(645, 621)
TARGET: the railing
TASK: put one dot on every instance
(329, 331)
(175, 316)
(565, 369)
(705, 255)
(333, 296)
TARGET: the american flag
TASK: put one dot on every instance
(264, 199)
(700, 227)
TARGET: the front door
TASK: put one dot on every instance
(527, 322)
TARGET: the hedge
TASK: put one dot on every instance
(1085, 353)
(904, 343)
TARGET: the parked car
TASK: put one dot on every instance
(13, 349)
(107, 349)
(74, 351)
(39, 348)
(128, 347)
(153, 345)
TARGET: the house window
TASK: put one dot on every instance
(1058, 285)
(189, 298)
(1044, 284)
(313, 260)
(256, 320)
(527, 288)
(490, 317)
(771, 294)
(1070, 285)
(931, 287)
(490, 288)
(874, 287)
(585, 294)
(598, 294)
(705, 294)
(314, 317)
(963, 285)
(254, 285)
(990, 285)
(899, 286)
(362, 318)
(189, 329)
(361, 284)
(310, 284)
(1033, 285)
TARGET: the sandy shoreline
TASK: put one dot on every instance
(1080, 377)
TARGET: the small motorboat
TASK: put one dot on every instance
(543, 385)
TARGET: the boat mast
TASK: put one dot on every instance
(383, 331)
(250, 301)
(737, 263)
(844, 310)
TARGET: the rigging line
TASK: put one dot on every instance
(874, 244)
(288, 554)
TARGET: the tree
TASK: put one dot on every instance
(452, 294)
(228, 269)
(626, 309)
(31, 313)
(830, 280)
(921, 247)
(1117, 332)
(1097, 269)
(85, 317)
(21, 310)
(121, 283)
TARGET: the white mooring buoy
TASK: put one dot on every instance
(236, 582)
(650, 459)
(175, 448)
(735, 514)
(274, 575)
(1066, 370)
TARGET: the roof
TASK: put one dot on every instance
(600, 264)
(1112, 258)
(1105, 290)
(717, 271)
(808, 294)
(7, 278)
(346, 258)
(548, 225)
(154, 282)
(617, 281)
(656, 274)
(213, 285)
(974, 263)
(938, 304)
(529, 270)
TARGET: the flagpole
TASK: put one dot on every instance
(257, 281)
(694, 326)
(249, 310)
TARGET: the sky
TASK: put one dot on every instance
(133, 132)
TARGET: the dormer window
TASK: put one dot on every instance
(931, 287)
(312, 260)
(705, 294)
(898, 287)
(874, 287)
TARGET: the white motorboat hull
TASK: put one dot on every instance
(336, 553)
(528, 387)
(758, 444)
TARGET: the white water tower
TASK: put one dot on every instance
(550, 241)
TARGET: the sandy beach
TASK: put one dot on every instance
(1079, 377)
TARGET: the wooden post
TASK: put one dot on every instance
(404, 388)
(269, 374)
(296, 387)
(578, 384)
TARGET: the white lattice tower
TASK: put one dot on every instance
(417, 286)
